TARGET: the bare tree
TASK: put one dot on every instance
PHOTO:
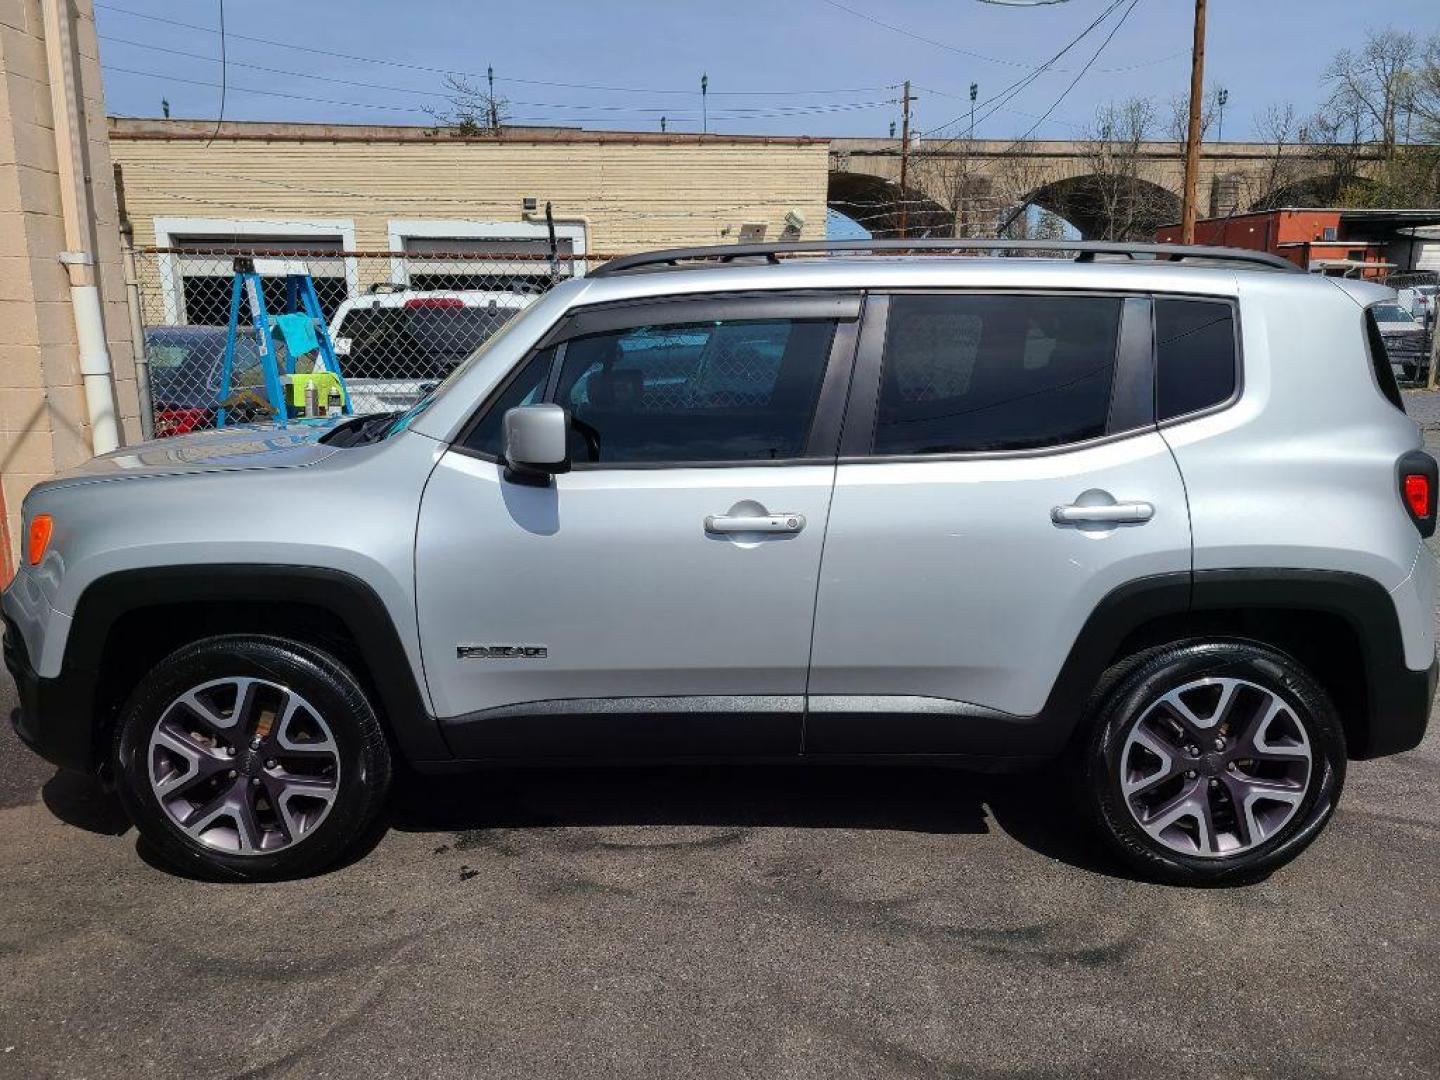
(1423, 102)
(1118, 199)
(1334, 138)
(473, 109)
(951, 175)
(1177, 125)
(1374, 85)
(1021, 182)
(1283, 167)
(1381, 97)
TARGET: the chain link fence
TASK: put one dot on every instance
(398, 323)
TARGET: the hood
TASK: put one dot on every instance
(224, 450)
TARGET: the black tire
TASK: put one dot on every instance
(1131, 693)
(360, 750)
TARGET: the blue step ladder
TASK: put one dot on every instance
(300, 296)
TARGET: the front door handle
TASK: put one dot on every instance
(754, 523)
(1131, 513)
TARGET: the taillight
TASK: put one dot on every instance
(1419, 475)
(434, 302)
(1417, 494)
(170, 422)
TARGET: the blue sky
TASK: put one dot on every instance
(774, 66)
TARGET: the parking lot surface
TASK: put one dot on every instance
(768, 922)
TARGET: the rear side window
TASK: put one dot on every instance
(1194, 355)
(973, 373)
(1380, 362)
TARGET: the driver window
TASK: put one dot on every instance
(729, 390)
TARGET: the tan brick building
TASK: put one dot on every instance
(45, 424)
(339, 188)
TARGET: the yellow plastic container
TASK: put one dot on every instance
(323, 381)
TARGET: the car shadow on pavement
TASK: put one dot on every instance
(1033, 809)
(81, 800)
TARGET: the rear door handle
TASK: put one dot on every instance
(754, 523)
(1131, 513)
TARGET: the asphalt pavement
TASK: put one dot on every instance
(718, 922)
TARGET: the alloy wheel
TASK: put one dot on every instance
(1215, 767)
(243, 765)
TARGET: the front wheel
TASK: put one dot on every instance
(247, 757)
(1213, 763)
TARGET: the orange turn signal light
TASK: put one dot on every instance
(41, 528)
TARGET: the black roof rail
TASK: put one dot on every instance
(1085, 251)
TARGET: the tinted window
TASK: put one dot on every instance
(1194, 355)
(1380, 363)
(713, 391)
(965, 373)
(528, 387)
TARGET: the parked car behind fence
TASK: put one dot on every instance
(185, 363)
(393, 344)
(1417, 295)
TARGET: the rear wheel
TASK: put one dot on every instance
(1211, 763)
(249, 758)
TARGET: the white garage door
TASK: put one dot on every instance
(1427, 255)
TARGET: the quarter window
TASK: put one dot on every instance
(974, 373)
(1194, 355)
(527, 388)
(729, 390)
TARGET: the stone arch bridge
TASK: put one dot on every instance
(968, 188)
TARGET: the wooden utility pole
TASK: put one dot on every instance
(1192, 139)
(904, 158)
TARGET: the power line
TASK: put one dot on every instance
(921, 38)
(1108, 38)
(771, 110)
(392, 89)
(1079, 75)
(1013, 112)
(109, 40)
(980, 56)
(1013, 91)
(734, 114)
(429, 69)
(1009, 93)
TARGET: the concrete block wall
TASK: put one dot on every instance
(44, 424)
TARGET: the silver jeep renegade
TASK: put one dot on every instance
(1154, 513)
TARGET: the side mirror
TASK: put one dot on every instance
(536, 442)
